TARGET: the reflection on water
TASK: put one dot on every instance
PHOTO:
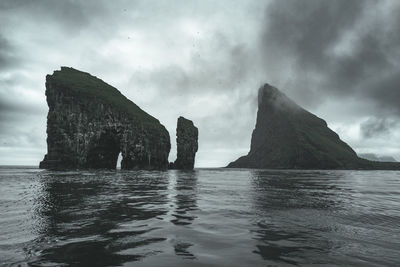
(217, 217)
(185, 197)
(293, 197)
(185, 203)
(99, 218)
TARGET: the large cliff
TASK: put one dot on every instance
(287, 136)
(90, 122)
(186, 143)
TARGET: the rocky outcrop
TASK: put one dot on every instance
(90, 122)
(187, 144)
(287, 136)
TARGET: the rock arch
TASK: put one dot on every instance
(90, 122)
(103, 152)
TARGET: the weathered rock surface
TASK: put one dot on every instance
(287, 136)
(187, 144)
(90, 122)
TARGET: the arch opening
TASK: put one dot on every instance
(104, 152)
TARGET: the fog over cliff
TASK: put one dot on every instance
(205, 60)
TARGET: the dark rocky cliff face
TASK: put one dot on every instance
(90, 122)
(287, 136)
(187, 144)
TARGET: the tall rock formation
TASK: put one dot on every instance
(187, 144)
(90, 122)
(287, 136)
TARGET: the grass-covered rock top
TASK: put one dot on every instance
(80, 82)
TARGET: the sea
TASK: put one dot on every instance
(204, 217)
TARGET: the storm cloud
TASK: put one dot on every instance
(340, 48)
(205, 60)
(377, 126)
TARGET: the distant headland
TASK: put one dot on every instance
(287, 136)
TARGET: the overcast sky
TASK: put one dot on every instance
(205, 60)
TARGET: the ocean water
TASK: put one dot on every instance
(205, 217)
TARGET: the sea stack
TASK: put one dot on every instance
(187, 144)
(287, 136)
(90, 122)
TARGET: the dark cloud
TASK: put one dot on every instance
(22, 109)
(7, 57)
(374, 127)
(13, 101)
(71, 15)
(308, 29)
(384, 92)
(341, 48)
